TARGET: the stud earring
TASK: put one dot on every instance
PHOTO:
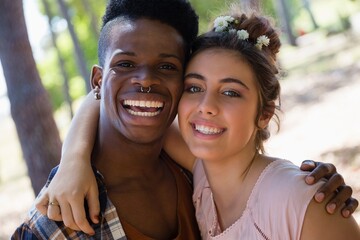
(96, 92)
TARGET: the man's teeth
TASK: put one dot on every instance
(143, 114)
(207, 130)
(148, 104)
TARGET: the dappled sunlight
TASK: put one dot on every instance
(320, 102)
(321, 117)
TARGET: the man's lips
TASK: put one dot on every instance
(143, 108)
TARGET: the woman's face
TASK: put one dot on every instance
(218, 107)
(144, 53)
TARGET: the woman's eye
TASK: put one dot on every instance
(193, 89)
(231, 93)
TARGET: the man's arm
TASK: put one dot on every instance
(334, 186)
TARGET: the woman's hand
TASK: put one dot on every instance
(335, 184)
(63, 199)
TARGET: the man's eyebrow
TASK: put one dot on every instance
(133, 54)
(167, 55)
(120, 52)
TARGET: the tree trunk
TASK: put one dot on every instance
(78, 52)
(307, 7)
(30, 104)
(283, 13)
(93, 18)
(60, 59)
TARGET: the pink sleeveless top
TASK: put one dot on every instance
(275, 208)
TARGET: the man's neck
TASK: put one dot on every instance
(116, 157)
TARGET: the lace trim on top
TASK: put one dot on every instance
(215, 231)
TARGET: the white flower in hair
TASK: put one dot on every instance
(242, 34)
(232, 31)
(262, 40)
(222, 22)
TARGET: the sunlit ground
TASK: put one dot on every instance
(320, 100)
(321, 103)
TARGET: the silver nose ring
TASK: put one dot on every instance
(145, 90)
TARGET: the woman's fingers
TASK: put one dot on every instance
(54, 210)
(79, 217)
(41, 203)
(92, 199)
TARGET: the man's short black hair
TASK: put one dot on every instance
(178, 14)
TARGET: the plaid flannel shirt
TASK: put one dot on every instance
(38, 226)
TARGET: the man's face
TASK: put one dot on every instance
(142, 53)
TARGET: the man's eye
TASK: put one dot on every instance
(231, 93)
(126, 65)
(168, 67)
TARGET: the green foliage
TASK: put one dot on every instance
(329, 14)
(208, 10)
(49, 65)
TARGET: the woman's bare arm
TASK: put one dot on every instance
(176, 147)
(76, 168)
(81, 136)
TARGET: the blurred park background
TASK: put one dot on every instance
(320, 59)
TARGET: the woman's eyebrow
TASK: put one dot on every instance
(224, 80)
(234, 80)
(194, 75)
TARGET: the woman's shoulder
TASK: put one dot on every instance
(281, 186)
(282, 177)
(281, 195)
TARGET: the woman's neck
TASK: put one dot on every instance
(231, 181)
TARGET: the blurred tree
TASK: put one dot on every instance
(81, 63)
(60, 59)
(87, 38)
(307, 6)
(30, 105)
(285, 19)
(93, 18)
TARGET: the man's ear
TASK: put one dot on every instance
(96, 76)
(267, 114)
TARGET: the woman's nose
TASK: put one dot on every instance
(208, 105)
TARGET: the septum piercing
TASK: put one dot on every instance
(145, 90)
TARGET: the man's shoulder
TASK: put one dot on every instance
(176, 167)
(37, 226)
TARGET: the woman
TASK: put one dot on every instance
(230, 94)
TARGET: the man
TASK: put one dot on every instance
(147, 196)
